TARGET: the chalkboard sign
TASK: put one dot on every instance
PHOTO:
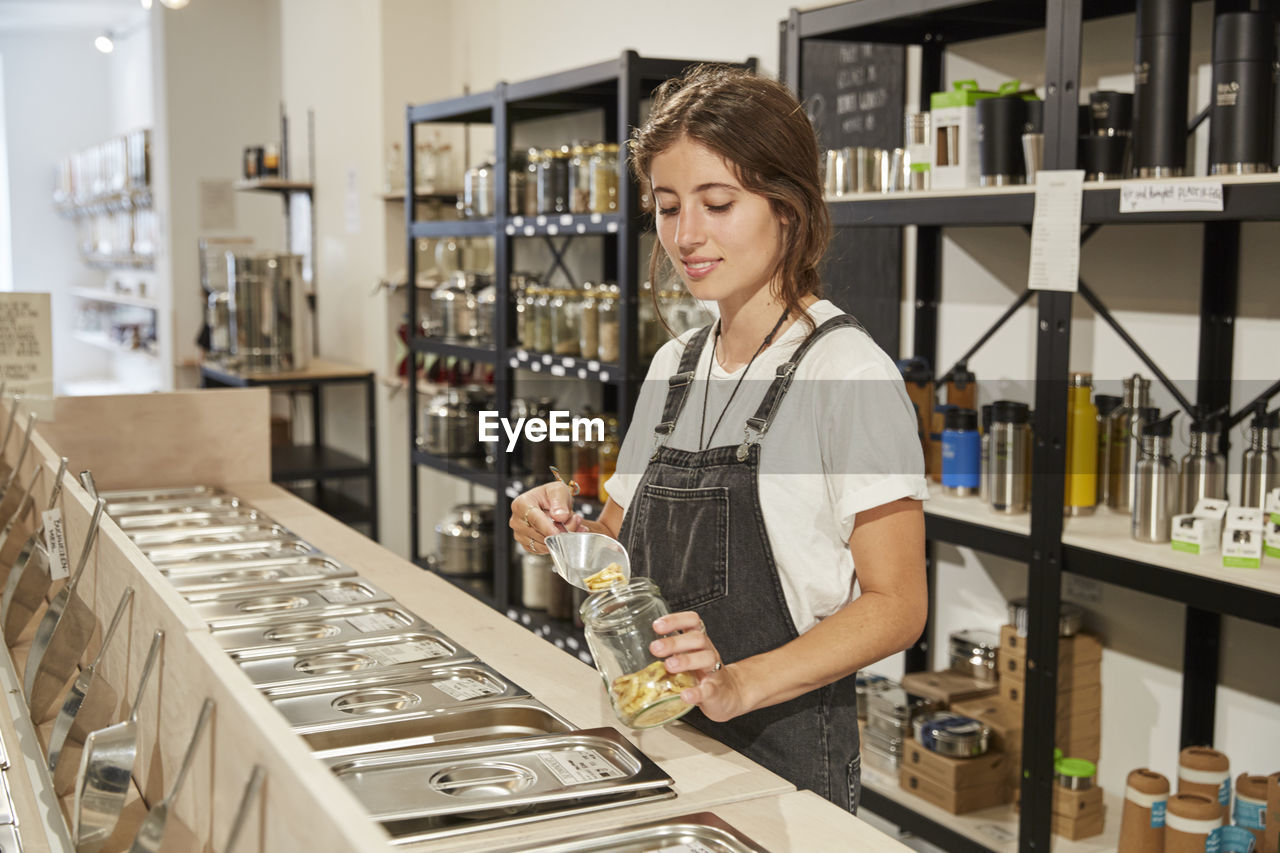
(854, 94)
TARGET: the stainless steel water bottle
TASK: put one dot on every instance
(1010, 449)
(1243, 93)
(1204, 467)
(1106, 403)
(984, 487)
(1261, 464)
(1126, 422)
(1155, 493)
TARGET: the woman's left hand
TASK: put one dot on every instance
(719, 692)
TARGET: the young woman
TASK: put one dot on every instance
(770, 454)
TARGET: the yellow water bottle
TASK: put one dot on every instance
(1081, 492)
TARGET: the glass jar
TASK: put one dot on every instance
(579, 179)
(517, 181)
(540, 321)
(561, 454)
(682, 311)
(559, 598)
(553, 181)
(588, 326)
(608, 455)
(618, 624)
(586, 464)
(566, 317)
(603, 195)
(536, 572)
(522, 302)
(652, 333)
(529, 200)
(607, 329)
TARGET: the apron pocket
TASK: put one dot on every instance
(686, 545)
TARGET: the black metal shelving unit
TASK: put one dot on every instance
(616, 87)
(305, 468)
(1049, 547)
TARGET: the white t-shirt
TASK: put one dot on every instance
(844, 440)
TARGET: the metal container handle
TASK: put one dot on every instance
(56, 491)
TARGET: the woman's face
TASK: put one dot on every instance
(723, 239)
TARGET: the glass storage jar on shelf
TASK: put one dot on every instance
(682, 311)
(566, 317)
(540, 321)
(603, 194)
(652, 333)
(586, 462)
(529, 200)
(522, 301)
(608, 456)
(607, 322)
(517, 181)
(618, 626)
(579, 179)
(553, 181)
(589, 329)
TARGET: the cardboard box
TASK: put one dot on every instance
(1273, 505)
(1075, 728)
(1242, 538)
(1070, 703)
(1069, 677)
(1074, 829)
(1200, 531)
(952, 800)
(947, 686)
(1076, 650)
(1003, 718)
(1271, 538)
(954, 772)
(1087, 748)
(955, 133)
(1077, 805)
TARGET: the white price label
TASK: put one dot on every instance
(604, 376)
(582, 373)
(581, 229)
(552, 230)
(579, 766)
(344, 594)
(55, 542)
(517, 220)
(513, 362)
(596, 218)
(529, 231)
(557, 370)
(566, 219)
(463, 689)
(405, 652)
(612, 228)
(511, 230)
(375, 622)
(1166, 196)
(546, 358)
(592, 364)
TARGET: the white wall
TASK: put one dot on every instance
(56, 100)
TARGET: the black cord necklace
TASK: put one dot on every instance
(706, 391)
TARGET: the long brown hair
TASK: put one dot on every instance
(761, 130)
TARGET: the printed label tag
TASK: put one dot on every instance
(375, 622)
(342, 594)
(1235, 839)
(579, 766)
(1213, 842)
(1250, 815)
(55, 542)
(1160, 197)
(463, 689)
(1224, 792)
(405, 652)
(1157, 814)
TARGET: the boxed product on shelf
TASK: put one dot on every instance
(955, 133)
(1069, 702)
(1074, 829)
(955, 773)
(1076, 650)
(1004, 719)
(1271, 538)
(1242, 536)
(947, 686)
(954, 800)
(1273, 505)
(1077, 805)
(1200, 531)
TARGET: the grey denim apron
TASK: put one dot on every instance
(695, 527)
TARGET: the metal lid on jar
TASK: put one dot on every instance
(467, 521)
(952, 734)
(975, 643)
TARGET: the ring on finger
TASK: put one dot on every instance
(719, 665)
(532, 544)
(525, 517)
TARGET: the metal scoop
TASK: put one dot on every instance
(18, 528)
(30, 578)
(75, 699)
(246, 802)
(62, 635)
(578, 556)
(151, 832)
(9, 499)
(8, 431)
(106, 766)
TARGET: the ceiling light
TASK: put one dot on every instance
(174, 4)
(104, 43)
(146, 4)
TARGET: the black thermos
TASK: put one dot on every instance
(1275, 107)
(1243, 93)
(1161, 72)
(1001, 123)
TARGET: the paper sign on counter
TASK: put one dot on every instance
(26, 350)
(343, 594)
(1168, 197)
(55, 542)
(1055, 230)
(405, 652)
(375, 622)
(579, 766)
(463, 689)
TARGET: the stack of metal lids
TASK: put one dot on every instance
(953, 735)
(890, 714)
(868, 683)
(973, 653)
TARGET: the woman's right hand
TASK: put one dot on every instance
(541, 512)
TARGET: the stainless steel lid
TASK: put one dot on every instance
(975, 643)
(467, 521)
(897, 704)
(952, 734)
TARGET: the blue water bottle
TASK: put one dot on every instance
(961, 452)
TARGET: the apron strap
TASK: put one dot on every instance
(760, 422)
(678, 387)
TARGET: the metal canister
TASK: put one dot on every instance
(1010, 448)
(1106, 404)
(465, 540)
(867, 683)
(1081, 487)
(973, 653)
(952, 734)
(270, 323)
(1261, 464)
(1124, 427)
(1204, 467)
(961, 452)
(984, 487)
(1070, 618)
(1156, 492)
(553, 181)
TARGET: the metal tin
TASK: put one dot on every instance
(878, 760)
(888, 745)
(279, 575)
(338, 662)
(246, 531)
(506, 775)
(188, 520)
(974, 653)
(270, 318)
(867, 683)
(369, 699)
(225, 552)
(221, 503)
(952, 735)
(10, 840)
(1070, 618)
(703, 831)
(170, 493)
(303, 631)
(7, 816)
(247, 607)
(4, 755)
(895, 708)
(465, 540)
